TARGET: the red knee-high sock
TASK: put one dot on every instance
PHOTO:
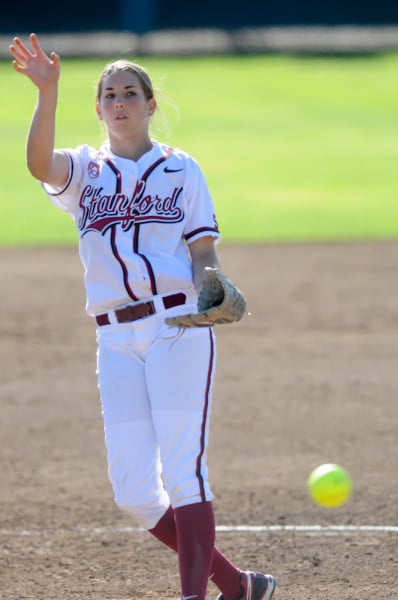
(165, 529)
(196, 529)
(224, 574)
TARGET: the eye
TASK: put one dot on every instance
(131, 93)
(109, 95)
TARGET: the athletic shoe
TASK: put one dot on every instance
(256, 586)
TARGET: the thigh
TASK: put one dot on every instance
(180, 371)
(121, 381)
(180, 375)
(130, 439)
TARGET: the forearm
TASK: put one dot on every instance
(200, 260)
(41, 135)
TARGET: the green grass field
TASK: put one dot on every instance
(293, 148)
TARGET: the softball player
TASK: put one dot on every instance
(147, 229)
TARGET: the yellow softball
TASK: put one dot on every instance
(329, 485)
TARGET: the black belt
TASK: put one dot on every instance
(139, 311)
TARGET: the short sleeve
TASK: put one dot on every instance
(201, 212)
(66, 198)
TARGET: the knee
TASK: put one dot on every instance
(147, 512)
(190, 492)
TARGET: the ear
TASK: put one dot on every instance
(151, 106)
(98, 111)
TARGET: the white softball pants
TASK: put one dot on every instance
(156, 393)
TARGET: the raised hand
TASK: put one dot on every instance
(41, 69)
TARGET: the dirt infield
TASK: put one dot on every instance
(310, 377)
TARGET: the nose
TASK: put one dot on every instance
(118, 103)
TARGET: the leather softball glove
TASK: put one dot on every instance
(219, 301)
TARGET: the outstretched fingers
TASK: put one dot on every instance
(34, 62)
(38, 50)
(20, 53)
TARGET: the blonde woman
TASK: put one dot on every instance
(147, 229)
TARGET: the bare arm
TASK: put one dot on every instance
(203, 254)
(44, 163)
(219, 300)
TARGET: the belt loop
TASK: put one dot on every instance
(112, 317)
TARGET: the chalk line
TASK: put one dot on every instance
(306, 529)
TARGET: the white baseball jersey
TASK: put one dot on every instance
(134, 221)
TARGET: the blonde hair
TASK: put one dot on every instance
(130, 67)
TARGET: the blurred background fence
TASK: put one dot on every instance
(177, 27)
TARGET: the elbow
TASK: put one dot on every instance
(38, 171)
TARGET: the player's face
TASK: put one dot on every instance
(123, 105)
